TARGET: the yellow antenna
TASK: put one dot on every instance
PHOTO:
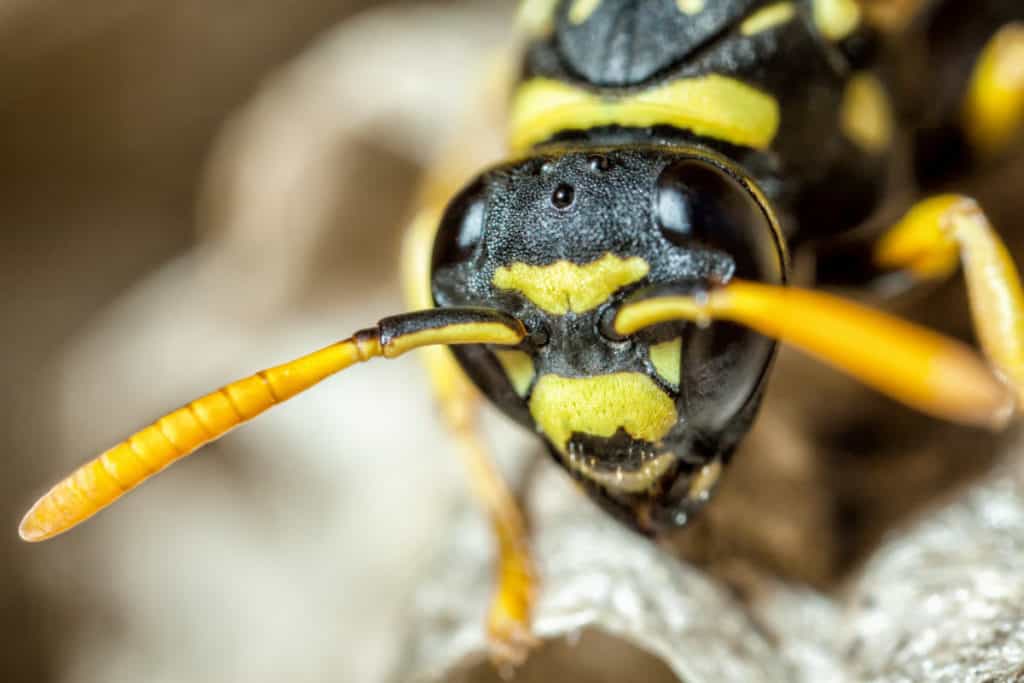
(102, 481)
(920, 368)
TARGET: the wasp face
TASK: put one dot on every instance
(559, 241)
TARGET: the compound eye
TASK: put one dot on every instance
(462, 227)
(700, 205)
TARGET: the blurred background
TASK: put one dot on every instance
(131, 132)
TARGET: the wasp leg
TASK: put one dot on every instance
(993, 110)
(509, 617)
(942, 232)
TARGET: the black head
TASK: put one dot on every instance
(559, 241)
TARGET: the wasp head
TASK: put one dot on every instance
(559, 241)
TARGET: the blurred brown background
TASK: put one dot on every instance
(107, 112)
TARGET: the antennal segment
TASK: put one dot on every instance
(102, 481)
(911, 364)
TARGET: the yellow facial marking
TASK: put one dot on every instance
(631, 481)
(865, 115)
(536, 17)
(713, 106)
(837, 19)
(519, 368)
(666, 358)
(993, 111)
(581, 10)
(563, 286)
(600, 405)
(690, 7)
(768, 18)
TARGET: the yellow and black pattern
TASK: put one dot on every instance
(720, 74)
(581, 231)
(627, 118)
(620, 285)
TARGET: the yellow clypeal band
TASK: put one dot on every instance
(600, 406)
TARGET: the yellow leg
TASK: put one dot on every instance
(993, 112)
(509, 616)
(508, 621)
(941, 232)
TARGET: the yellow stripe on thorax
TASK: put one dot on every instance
(713, 106)
(561, 287)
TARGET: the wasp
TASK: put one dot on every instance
(620, 283)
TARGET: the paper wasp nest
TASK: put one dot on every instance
(942, 601)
